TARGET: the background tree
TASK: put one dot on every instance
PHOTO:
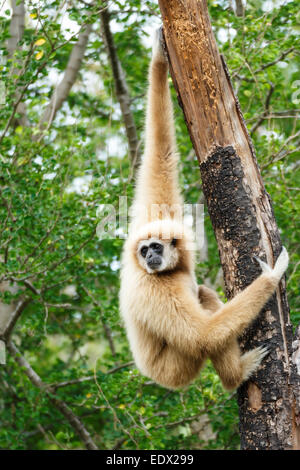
(68, 381)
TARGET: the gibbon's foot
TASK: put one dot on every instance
(280, 265)
(158, 49)
(252, 359)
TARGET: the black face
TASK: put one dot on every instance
(153, 254)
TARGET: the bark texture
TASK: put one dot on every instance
(242, 217)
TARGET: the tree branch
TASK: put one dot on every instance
(16, 31)
(60, 94)
(239, 8)
(89, 378)
(106, 328)
(266, 111)
(35, 379)
(13, 318)
(121, 89)
(16, 27)
(265, 66)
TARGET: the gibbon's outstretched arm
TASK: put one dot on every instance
(191, 330)
(157, 178)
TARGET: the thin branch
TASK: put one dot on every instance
(45, 236)
(16, 31)
(282, 153)
(116, 418)
(265, 66)
(14, 316)
(107, 331)
(89, 378)
(35, 379)
(22, 93)
(121, 88)
(285, 113)
(275, 61)
(266, 111)
(63, 306)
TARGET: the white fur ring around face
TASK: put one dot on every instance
(280, 265)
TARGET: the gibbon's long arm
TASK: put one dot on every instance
(191, 330)
(158, 179)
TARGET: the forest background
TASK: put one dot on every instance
(73, 80)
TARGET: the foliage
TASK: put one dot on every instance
(51, 186)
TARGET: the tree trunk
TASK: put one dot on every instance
(242, 217)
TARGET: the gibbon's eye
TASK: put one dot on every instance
(173, 242)
(155, 246)
(144, 250)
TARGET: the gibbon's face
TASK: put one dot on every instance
(155, 255)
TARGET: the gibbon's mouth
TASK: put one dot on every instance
(154, 263)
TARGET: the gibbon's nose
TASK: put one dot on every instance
(153, 260)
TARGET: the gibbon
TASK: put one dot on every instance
(172, 324)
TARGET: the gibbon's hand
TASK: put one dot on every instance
(158, 49)
(280, 265)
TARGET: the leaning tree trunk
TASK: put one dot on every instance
(241, 215)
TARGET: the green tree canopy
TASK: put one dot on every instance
(64, 152)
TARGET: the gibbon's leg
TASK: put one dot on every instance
(232, 367)
(231, 320)
(172, 369)
(157, 182)
(228, 365)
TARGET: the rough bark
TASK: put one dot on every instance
(242, 217)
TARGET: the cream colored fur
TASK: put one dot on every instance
(173, 326)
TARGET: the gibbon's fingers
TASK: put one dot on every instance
(264, 266)
(158, 49)
(281, 264)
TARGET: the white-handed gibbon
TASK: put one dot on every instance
(172, 324)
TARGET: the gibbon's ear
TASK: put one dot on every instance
(174, 242)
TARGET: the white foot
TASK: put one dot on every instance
(280, 265)
(252, 359)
